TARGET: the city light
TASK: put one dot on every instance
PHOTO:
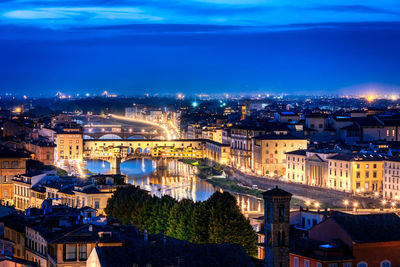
(166, 130)
(370, 98)
(195, 104)
(317, 205)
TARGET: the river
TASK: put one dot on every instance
(177, 180)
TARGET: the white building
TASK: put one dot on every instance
(391, 178)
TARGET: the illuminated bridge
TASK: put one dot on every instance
(117, 151)
(118, 132)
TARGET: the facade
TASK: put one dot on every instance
(366, 240)
(14, 230)
(69, 145)
(88, 195)
(218, 152)
(296, 166)
(22, 189)
(360, 173)
(269, 153)
(276, 227)
(391, 179)
(42, 151)
(11, 164)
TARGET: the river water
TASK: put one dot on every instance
(175, 179)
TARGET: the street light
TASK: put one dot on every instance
(308, 203)
(355, 206)
(346, 203)
(316, 205)
(393, 204)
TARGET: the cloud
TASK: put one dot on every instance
(251, 15)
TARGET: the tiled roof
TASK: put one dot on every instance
(370, 228)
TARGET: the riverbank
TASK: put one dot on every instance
(234, 187)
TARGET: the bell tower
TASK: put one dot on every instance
(276, 228)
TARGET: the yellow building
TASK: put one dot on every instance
(69, 145)
(11, 164)
(269, 153)
(218, 152)
(359, 173)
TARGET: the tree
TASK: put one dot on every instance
(179, 222)
(228, 225)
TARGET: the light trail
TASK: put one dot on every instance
(162, 126)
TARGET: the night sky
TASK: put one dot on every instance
(209, 46)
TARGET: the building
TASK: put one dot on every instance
(286, 117)
(359, 173)
(218, 152)
(269, 153)
(22, 189)
(308, 166)
(276, 227)
(242, 142)
(364, 240)
(88, 195)
(14, 230)
(69, 145)
(42, 151)
(391, 179)
(11, 164)
(296, 166)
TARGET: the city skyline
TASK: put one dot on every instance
(130, 47)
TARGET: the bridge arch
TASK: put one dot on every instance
(85, 136)
(110, 136)
(136, 137)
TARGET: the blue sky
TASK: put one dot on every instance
(191, 46)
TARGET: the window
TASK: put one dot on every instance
(347, 264)
(306, 263)
(333, 265)
(374, 174)
(296, 262)
(97, 204)
(358, 175)
(374, 166)
(82, 252)
(385, 263)
(362, 264)
(319, 264)
(366, 174)
(69, 252)
(5, 164)
(15, 164)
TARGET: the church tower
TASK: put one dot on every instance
(276, 216)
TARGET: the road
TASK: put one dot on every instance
(328, 197)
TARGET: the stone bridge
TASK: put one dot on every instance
(118, 151)
(118, 132)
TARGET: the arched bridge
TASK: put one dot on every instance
(118, 132)
(117, 151)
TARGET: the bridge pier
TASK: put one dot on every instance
(115, 165)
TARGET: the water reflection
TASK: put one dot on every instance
(172, 178)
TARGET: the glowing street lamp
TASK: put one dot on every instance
(355, 206)
(308, 203)
(346, 203)
(393, 204)
(317, 205)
